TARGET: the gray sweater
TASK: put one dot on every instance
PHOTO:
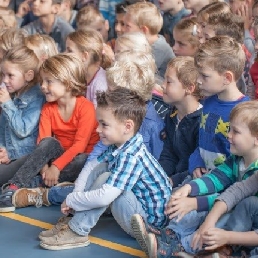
(239, 191)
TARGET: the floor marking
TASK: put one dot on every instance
(94, 240)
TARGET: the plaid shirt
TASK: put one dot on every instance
(134, 169)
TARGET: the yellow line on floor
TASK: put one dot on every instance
(94, 240)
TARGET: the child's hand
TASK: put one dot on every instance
(197, 241)
(215, 237)
(65, 209)
(43, 169)
(51, 175)
(4, 95)
(179, 206)
(183, 191)
(24, 8)
(4, 159)
(198, 172)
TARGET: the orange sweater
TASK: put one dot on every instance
(77, 135)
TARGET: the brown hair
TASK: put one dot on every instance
(186, 72)
(221, 53)
(247, 112)
(92, 42)
(68, 69)
(125, 104)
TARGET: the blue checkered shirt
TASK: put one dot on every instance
(134, 169)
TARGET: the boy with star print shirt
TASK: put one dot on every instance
(213, 146)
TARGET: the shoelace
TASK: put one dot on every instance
(37, 199)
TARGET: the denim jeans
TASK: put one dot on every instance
(57, 194)
(7, 171)
(244, 218)
(48, 150)
(122, 207)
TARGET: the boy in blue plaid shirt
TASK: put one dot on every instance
(125, 176)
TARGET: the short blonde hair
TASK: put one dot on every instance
(26, 60)
(87, 15)
(11, 38)
(247, 113)
(212, 9)
(44, 44)
(146, 14)
(221, 53)
(135, 71)
(186, 72)
(188, 29)
(136, 41)
(92, 42)
(68, 69)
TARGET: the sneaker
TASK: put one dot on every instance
(221, 252)
(62, 222)
(6, 200)
(65, 239)
(166, 245)
(141, 230)
(25, 197)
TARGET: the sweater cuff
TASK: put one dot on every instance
(194, 188)
(202, 203)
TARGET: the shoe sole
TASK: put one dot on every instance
(140, 232)
(7, 209)
(152, 245)
(63, 247)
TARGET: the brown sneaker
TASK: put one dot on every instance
(221, 252)
(62, 223)
(65, 239)
(26, 197)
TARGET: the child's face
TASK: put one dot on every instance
(130, 25)
(190, 4)
(182, 46)
(210, 82)
(240, 138)
(102, 27)
(168, 5)
(13, 77)
(119, 24)
(53, 89)
(44, 7)
(4, 3)
(173, 91)
(71, 47)
(110, 129)
(208, 32)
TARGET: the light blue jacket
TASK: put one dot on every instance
(19, 120)
(150, 130)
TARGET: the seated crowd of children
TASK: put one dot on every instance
(148, 109)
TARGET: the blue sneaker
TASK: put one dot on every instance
(6, 200)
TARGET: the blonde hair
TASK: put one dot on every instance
(221, 53)
(45, 46)
(135, 71)
(26, 60)
(87, 15)
(11, 38)
(92, 42)
(7, 16)
(136, 41)
(212, 9)
(146, 14)
(188, 29)
(247, 112)
(68, 69)
(186, 72)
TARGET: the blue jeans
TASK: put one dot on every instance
(122, 208)
(57, 194)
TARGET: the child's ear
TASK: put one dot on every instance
(190, 89)
(85, 56)
(55, 8)
(228, 77)
(145, 30)
(129, 126)
(29, 76)
(106, 24)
